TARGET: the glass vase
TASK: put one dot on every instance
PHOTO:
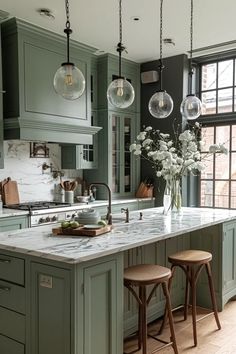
(167, 198)
(176, 197)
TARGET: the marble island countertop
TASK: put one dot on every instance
(154, 227)
(6, 213)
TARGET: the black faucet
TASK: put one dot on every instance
(109, 214)
(126, 211)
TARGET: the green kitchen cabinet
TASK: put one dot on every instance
(107, 71)
(115, 165)
(100, 321)
(77, 157)
(1, 110)
(229, 260)
(14, 223)
(77, 310)
(32, 108)
(50, 310)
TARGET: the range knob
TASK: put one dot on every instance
(54, 218)
(47, 219)
(41, 220)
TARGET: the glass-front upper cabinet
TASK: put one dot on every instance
(122, 160)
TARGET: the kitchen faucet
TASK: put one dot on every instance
(109, 214)
(126, 211)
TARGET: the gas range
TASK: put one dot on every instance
(43, 212)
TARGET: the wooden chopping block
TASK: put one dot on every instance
(10, 191)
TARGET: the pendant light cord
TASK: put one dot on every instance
(68, 30)
(191, 50)
(120, 47)
(161, 66)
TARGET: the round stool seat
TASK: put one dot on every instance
(146, 274)
(190, 257)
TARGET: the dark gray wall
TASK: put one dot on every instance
(175, 82)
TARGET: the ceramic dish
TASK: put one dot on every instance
(93, 226)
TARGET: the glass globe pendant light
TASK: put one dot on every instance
(160, 104)
(120, 92)
(69, 82)
(191, 105)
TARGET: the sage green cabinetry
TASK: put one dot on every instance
(32, 108)
(12, 305)
(115, 164)
(1, 110)
(14, 223)
(50, 310)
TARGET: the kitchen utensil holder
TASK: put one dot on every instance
(69, 196)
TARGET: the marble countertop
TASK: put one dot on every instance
(6, 213)
(75, 206)
(154, 227)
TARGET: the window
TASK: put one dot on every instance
(218, 180)
(218, 87)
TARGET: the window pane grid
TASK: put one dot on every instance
(215, 189)
(218, 81)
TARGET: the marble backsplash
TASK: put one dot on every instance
(33, 183)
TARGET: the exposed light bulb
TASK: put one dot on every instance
(120, 93)
(120, 90)
(191, 107)
(160, 105)
(69, 82)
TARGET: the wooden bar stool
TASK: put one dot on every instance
(140, 276)
(192, 262)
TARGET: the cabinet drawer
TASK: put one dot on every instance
(9, 346)
(12, 296)
(12, 325)
(12, 269)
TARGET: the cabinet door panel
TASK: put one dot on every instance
(229, 256)
(9, 346)
(12, 325)
(13, 223)
(102, 301)
(41, 65)
(50, 310)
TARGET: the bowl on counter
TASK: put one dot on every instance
(82, 198)
(88, 216)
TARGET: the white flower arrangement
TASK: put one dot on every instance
(175, 158)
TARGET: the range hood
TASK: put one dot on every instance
(48, 131)
(32, 109)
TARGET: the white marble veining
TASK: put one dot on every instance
(6, 213)
(33, 185)
(154, 227)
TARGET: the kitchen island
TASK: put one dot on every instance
(64, 295)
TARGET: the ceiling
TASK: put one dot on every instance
(95, 22)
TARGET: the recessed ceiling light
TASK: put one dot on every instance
(135, 18)
(47, 13)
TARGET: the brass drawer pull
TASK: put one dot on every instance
(4, 288)
(5, 260)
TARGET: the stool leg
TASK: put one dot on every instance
(168, 308)
(194, 312)
(165, 313)
(212, 291)
(139, 322)
(186, 301)
(143, 318)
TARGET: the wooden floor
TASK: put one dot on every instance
(210, 340)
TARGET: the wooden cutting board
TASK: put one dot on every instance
(10, 192)
(81, 231)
